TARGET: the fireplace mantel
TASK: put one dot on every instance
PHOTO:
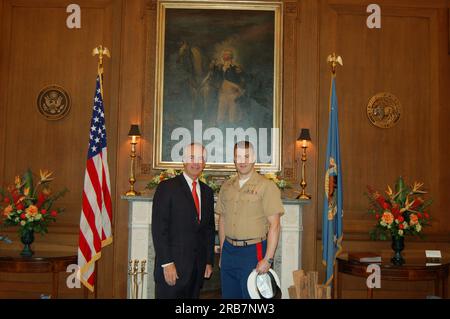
(140, 246)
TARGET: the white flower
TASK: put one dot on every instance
(31, 219)
(38, 217)
(418, 228)
(400, 232)
(396, 221)
(17, 219)
(23, 223)
(405, 225)
(383, 223)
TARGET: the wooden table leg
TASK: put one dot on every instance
(85, 292)
(369, 293)
(445, 286)
(437, 286)
(55, 285)
(337, 282)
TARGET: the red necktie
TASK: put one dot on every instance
(196, 201)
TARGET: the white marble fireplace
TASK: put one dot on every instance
(140, 246)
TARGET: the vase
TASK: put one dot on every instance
(398, 244)
(27, 239)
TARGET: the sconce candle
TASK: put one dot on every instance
(134, 134)
(304, 137)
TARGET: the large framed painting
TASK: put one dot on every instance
(218, 81)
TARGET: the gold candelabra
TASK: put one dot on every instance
(134, 272)
(304, 137)
(134, 134)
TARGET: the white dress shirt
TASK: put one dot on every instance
(189, 181)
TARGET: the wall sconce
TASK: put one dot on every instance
(134, 134)
(304, 137)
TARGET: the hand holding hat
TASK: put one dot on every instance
(264, 286)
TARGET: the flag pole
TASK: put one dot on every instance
(332, 247)
(96, 186)
(100, 51)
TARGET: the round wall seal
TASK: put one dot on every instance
(384, 110)
(53, 102)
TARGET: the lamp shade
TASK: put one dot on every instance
(134, 130)
(304, 135)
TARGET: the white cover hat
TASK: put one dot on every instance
(261, 285)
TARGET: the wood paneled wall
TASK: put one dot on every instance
(408, 56)
(39, 50)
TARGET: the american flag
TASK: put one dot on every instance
(96, 213)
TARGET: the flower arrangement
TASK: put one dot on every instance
(162, 176)
(208, 179)
(400, 212)
(171, 173)
(29, 205)
(278, 180)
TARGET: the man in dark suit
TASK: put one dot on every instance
(183, 230)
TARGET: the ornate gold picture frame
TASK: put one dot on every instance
(218, 78)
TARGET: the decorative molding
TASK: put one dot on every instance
(363, 237)
(288, 173)
(291, 8)
(146, 169)
(151, 5)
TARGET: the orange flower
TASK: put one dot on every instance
(8, 209)
(388, 218)
(32, 210)
(413, 219)
(46, 191)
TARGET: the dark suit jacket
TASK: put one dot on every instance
(177, 235)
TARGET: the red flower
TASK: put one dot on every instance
(41, 198)
(386, 206)
(426, 215)
(381, 201)
(401, 226)
(20, 206)
(6, 200)
(419, 215)
(43, 211)
(417, 202)
(54, 213)
(401, 219)
(377, 216)
(23, 216)
(395, 210)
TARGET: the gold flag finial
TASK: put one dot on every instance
(334, 61)
(100, 51)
